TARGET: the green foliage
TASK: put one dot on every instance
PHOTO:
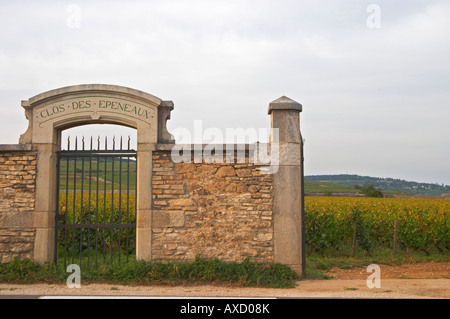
(330, 223)
(370, 191)
(361, 228)
(97, 173)
(26, 271)
(97, 209)
(198, 271)
(203, 270)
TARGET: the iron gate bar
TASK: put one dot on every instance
(128, 196)
(74, 201)
(112, 200)
(81, 201)
(66, 219)
(104, 201)
(96, 211)
(120, 196)
(94, 153)
(86, 224)
(100, 226)
(89, 201)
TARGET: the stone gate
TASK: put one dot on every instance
(225, 206)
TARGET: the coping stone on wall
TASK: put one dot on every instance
(15, 147)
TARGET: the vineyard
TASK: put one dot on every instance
(341, 223)
(94, 239)
(338, 224)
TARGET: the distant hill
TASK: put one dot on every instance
(325, 188)
(389, 185)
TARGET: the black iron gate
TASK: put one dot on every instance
(96, 209)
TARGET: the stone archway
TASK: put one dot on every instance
(51, 112)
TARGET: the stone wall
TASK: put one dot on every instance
(217, 210)
(17, 200)
(213, 209)
(229, 210)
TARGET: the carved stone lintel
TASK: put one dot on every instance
(163, 115)
(27, 137)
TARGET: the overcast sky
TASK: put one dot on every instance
(374, 81)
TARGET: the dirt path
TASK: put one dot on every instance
(430, 270)
(424, 280)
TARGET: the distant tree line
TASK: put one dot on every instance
(369, 191)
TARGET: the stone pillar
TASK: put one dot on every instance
(164, 110)
(144, 196)
(144, 201)
(288, 185)
(45, 205)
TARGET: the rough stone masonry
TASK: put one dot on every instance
(17, 198)
(217, 210)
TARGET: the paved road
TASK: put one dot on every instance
(390, 288)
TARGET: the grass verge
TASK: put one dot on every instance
(198, 271)
(207, 271)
